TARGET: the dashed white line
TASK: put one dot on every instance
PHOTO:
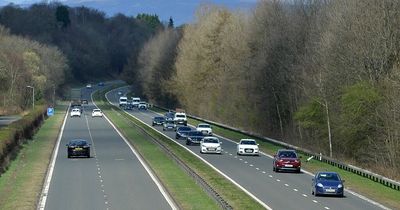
(270, 176)
(314, 201)
(287, 185)
(305, 195)
(245, 161)
(240, 159)
(230, 153)
(295, 189)
(278, 180)
(251, 165)
(257, 169)
(264, 172)
(326, 207)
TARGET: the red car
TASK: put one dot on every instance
(286, 160)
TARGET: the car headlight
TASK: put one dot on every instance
(320, 185)
(340, 186)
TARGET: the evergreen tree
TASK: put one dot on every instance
(171, 23)
(62, 16)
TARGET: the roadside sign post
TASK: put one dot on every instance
(50, 111)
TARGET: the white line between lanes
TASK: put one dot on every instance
(43, 197)
(146, 167)
(202, 159)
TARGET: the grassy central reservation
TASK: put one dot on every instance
(181, 186)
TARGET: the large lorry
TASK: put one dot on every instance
(76, 97)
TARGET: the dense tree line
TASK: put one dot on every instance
(96, 46)
(23, 63)
(319, 74)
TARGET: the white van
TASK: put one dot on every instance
(135, 102)
(123, 101)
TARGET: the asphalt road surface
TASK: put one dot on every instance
(113, 178)
(278, 190)
(6, 120)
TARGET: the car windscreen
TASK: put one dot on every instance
(159, 118)
(204, 126)
(180, 116)
(328, 176)
(211, 140)
(184, 129)
(122, 100)
(75, 110)
(248, 142)
(195, 133)
(287, 154)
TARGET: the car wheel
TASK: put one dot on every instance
(298, 171)
(163, 129)
(68, 155)
(176, 137)
(273, 168)
(152, 124)
(201, 152)
(312, 192)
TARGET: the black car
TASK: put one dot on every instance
(194, 137)
(78, 147)
(182, 131)
(158, 121)
(169, 116)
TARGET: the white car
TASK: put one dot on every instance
(135, 102)
(210, 144)
(204, 128)
(180, 118)
(75, 112)
(97, 113)
(89, 86)
(247, 147)
(142, 105)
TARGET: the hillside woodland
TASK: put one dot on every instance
(53, 46)
(323, 75)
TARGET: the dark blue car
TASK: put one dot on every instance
(327, 183)
(194, 137)
(182, 131)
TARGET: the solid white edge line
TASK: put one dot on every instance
(49, 175)
(306, 172)
(209, 164)
(146, 167)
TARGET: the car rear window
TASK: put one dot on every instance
(78, 143)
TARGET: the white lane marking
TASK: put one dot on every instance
(230, 153)
(270, 176)
(251, 165)
(326, 207)
(314, 201)
(305, 195)
(264, 172)
(287, 185)
(245, 161)
(295, 189)
(119, 159)
(278, 180)
(206, 162)
(257, 169)
(240, 159)
(306, 172)
(146, 167)
(235, 157)
(49, 175)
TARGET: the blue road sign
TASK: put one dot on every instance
(50, 111)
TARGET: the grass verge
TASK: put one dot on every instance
(21, 184)
(182, 189)
(354, 182)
